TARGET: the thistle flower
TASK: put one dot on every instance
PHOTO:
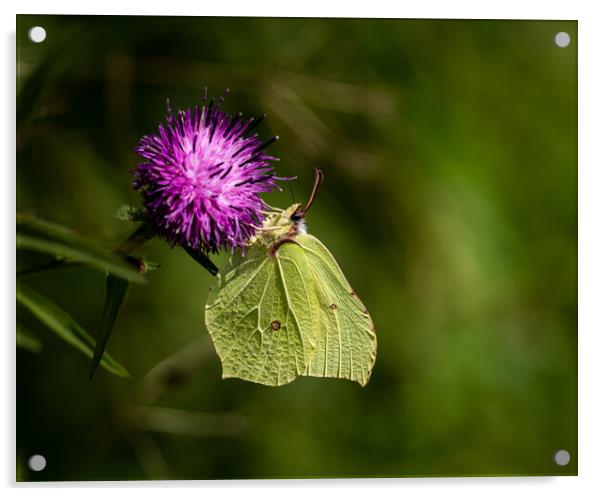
(202, 177)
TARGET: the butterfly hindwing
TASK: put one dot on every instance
(259, 315)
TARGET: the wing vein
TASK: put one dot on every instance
(288, 301)
(251, 278)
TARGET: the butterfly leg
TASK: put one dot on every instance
(274, 247)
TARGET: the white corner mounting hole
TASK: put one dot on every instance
(562, 457)
(37, 463)
(37, 34)
(562, 39)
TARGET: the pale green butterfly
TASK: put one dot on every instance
(284, 308)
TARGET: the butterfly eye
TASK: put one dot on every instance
(296, 217)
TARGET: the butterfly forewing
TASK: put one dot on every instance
(346, 341)
(259, 315)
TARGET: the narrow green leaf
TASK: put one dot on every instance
(40, 226)
(61, 323)
(116, 289)
(27, 340)
(45, 237)
(105, 262)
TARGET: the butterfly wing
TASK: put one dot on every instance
(346, 341)
(259, 315)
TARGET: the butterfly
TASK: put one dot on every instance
(284, 309)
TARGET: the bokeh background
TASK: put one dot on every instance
(450, 201)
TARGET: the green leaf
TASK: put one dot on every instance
(61, 323)
(27, 340)
(116, 289)
(46, 237)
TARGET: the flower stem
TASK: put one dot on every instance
(141, 235)
(203, 260)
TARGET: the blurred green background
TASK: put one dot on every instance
(450, 202)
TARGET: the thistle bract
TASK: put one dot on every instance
(202, 176)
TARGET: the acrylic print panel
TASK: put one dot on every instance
(434, 288)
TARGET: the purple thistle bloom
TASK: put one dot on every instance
(202, 177)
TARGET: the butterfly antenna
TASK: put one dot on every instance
(318, 179)
(292, 192)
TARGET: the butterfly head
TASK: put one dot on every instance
(276, 225)
(286, 224)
